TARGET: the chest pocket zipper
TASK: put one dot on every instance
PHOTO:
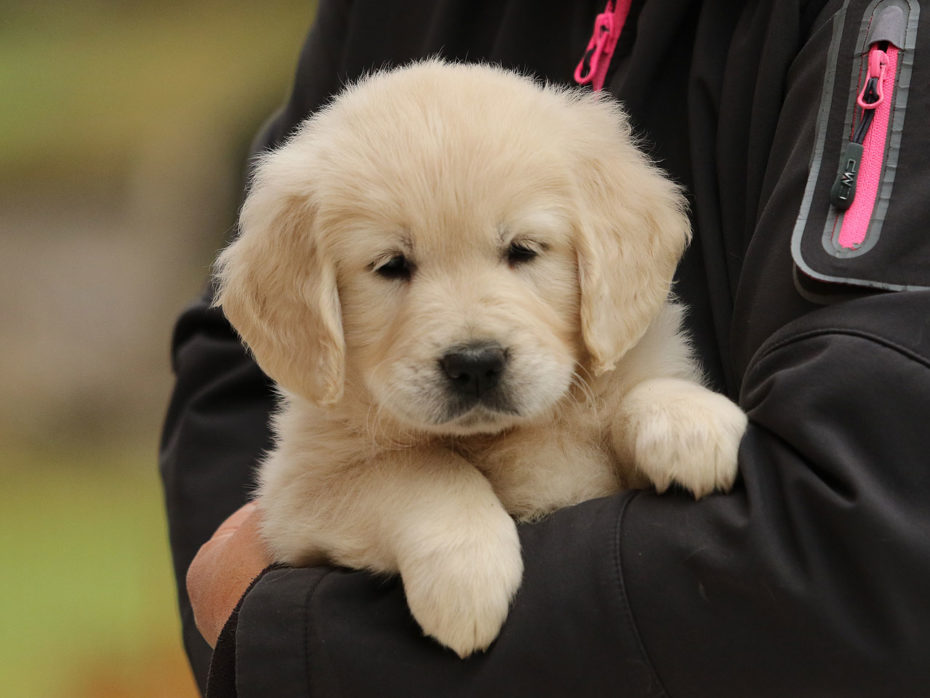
(863, 157)
(870, 100)
(851, 233)
(863, 168)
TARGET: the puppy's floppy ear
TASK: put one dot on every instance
(633, 230)
(277, 286)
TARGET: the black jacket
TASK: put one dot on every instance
(813, 577)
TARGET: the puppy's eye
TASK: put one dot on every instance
(395, 267)
(521, 253)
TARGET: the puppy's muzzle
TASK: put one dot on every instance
(474, 370)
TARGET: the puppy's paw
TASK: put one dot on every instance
(459, 585)
(684, 433)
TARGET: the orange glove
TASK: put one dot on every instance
(223, 569)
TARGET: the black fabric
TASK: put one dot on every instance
(810, 578)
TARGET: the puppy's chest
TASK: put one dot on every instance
(535, 470)
(525, 445)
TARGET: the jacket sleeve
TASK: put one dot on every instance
(214, 432)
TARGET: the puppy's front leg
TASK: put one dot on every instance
(426, 513)
(675, 430)
(457, 552)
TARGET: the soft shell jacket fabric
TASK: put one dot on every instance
(813, 577)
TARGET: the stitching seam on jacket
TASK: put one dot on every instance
(307, 630)
(624, 599)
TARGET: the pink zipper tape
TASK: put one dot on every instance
(856, 220)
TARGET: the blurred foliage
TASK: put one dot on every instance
(86, 84)
(122, 132)
(88, 596)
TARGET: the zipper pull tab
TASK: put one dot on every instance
(844, 187)
(597, 48)
(872, 91)
(607, 28)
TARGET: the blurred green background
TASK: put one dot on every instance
(123, 132)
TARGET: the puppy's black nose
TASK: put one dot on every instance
(474, 369)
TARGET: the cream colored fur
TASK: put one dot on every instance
(449, 166)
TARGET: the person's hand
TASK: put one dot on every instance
(223, 569)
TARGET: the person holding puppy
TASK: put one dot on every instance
(795, 131)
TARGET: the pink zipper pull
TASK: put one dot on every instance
(607, 27)
(878, 61)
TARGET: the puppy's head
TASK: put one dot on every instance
(450, 244)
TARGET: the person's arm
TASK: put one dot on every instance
(809, 580)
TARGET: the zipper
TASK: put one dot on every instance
(866, 150)
(592, 69)
(869, 100)
(859, 177)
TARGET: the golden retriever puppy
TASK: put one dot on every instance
(460, 281)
